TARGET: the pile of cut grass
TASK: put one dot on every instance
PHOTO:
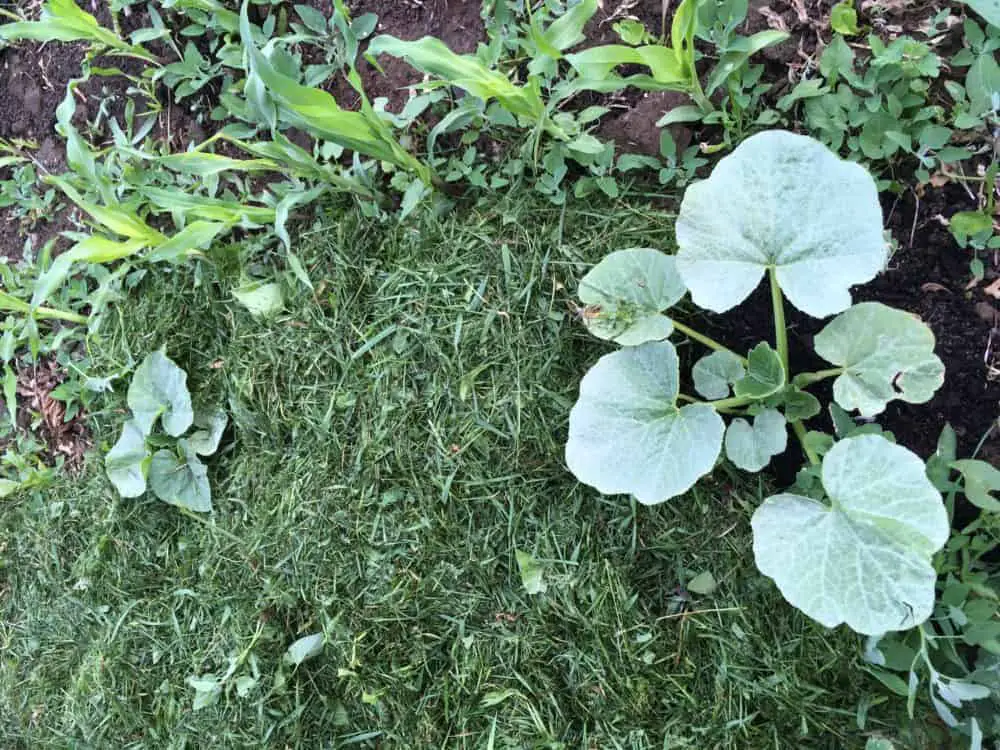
(397, 437)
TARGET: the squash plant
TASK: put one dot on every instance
(169, 463)
(853, 541)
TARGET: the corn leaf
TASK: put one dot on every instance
(210, 209)
(194, 237)
(64, 21)
(595, 66)
(316, 112)
(94, 249)
(432, 56)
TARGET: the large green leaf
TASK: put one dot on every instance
(866, 558)
(625, 294)
(159, 389)
(886, 354)
(126, 462)
(434, 57)
(988, 9)
(180, 480)
(627, 434)
(752, 447)
(784, 201)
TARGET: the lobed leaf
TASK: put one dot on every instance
(126, 462)
(626, 294)
(886, 354)
(714, 373)
(790, 204)
(627, 434)
(865, 559)
(159, 389)
(180, 481)
(752, 447)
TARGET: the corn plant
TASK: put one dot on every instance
(852, 542)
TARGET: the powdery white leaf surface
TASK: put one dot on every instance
(865, 559)
(124, 463)
(886, 354)
(714, 373)
(627, 434)
(626, 293)
(785, 201)
(181, 482)
(211, 425)
(751, 447)
(159, 390)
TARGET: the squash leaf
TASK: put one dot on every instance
(886, 354)
(714, 373)
(627, 292)
(159, 390)
(181, 480)
(627, 434)
(127, 460)
(751, 447)
(750, 215)
(865, 559)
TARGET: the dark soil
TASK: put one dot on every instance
(33, 82)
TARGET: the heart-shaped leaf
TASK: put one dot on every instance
(181, 482)
(625, 293)
(886, 354)
(205, 440)
(865, 559)
(714, 373)
(751, 448)
(781, 201)
(126, 462)
(981, 481)
(627, 434)
(765, 374)
(159, 389)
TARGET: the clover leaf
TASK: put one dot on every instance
(864, 559)
(627, 433)
(886, 354)
(752, 447)
(626, 293)
(786, 202)
(159, 390)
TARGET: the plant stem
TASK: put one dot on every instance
(730, 403)
(780, 332)
(703, 339)
(805, 379)
(800, 433)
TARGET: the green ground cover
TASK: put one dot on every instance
(397, 438)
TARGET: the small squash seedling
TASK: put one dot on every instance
(168, 463)
(852, 542)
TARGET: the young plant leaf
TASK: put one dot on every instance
(714, 373)
(844, 18)
(765, 374)
(627, 434)
(799, 405)
(768, 185)
(181, 482)
(865, 559)
(205, 440)
(702, 584)
(159, 389)
(627, 292)
(751, 448)
(262, 300)
(126, 462)
(886, 354)
(981, 481)
(988, 9)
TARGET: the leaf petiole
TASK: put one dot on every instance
(800, 433)
(703, 339)
(806, 379)
(780, 331)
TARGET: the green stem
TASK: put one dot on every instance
(800, 433)
(49, 313)
(805, 379)
(730, 403)
(702, 338)
(780, 332)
